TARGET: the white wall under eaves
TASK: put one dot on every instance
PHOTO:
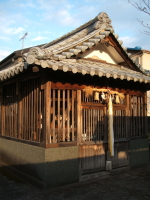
(102, 52)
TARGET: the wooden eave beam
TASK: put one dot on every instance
(68, 86)
(116, 45)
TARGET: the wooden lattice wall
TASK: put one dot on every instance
(38, 111)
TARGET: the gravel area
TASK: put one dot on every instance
(131, 184)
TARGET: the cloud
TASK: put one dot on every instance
(53, 5)
(4, 38)
(18, 30)
(62, 12)
(49, 32)
(39, 38)
(6, 30)
(26, 4)
(129, 41)
(65, 18)
(3, 54)
(10, 30)
(61, 16)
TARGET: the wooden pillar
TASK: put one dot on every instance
(19, 126)
(46, 117)
(105, 124)
(1, 110)
(127, 116)
(2, 113)
(145, 114)
(79, 116)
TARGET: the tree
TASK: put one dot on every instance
(143, 6)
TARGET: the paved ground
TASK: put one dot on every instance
(129, 185)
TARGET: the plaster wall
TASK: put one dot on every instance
(148, 103)
(146, 61)
(101, 52)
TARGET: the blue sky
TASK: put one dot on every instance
(46, 20)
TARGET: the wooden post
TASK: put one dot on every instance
(105, 124)
(127, 116)
(139, 121)
(19, 129)
(73, 120)
(58, 105)
(46, 118)
(145, 114)
(63, 123)
(1, 110)
(2, 113)
(79, 116)
(53, 123)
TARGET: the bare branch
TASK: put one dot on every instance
(143, 6)
(143, 24)
(145, 32)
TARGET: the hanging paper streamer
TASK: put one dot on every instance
(96, 96)
(117, 99)
(110, 127)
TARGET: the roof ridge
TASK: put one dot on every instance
(100, 18)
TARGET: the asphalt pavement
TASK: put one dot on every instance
(133, 184)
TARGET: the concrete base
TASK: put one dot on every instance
(108, 165)
(53, 167)
(58, 166)
(138, 152)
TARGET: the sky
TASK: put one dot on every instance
(46, 20)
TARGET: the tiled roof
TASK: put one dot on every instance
(60, 54)
(79, 40)
(74, 42)
(101, 18)
(146, 51)
(83, 66)
(12, 71)
(96, 68)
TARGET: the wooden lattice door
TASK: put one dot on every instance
(93, 130)
(93, 152)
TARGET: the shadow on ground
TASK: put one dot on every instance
(131, 184)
